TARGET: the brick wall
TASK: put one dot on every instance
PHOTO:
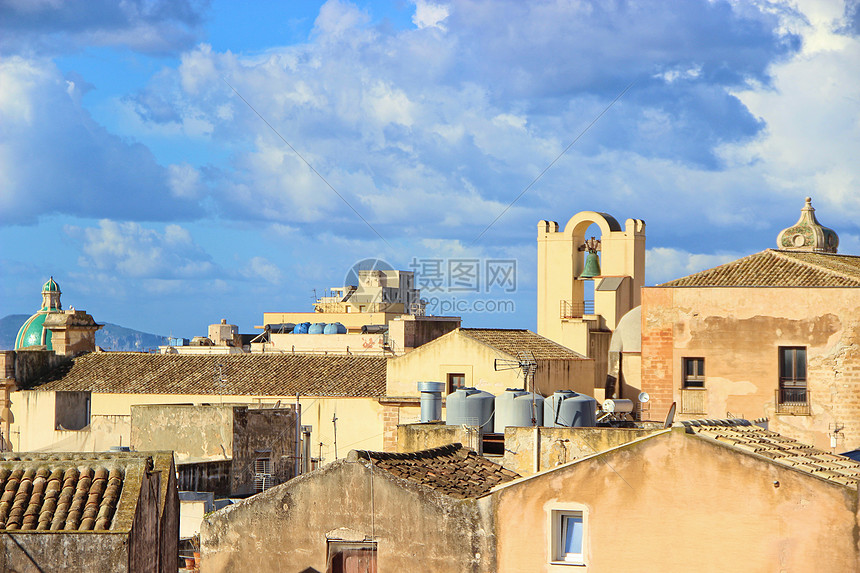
(390, 419)
(657, 350)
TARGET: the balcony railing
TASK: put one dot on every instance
(792, 401)
(693, 400)
(576, 309)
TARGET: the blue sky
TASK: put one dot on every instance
(132, 172)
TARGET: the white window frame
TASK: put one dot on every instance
(556, 515)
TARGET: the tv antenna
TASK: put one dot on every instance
(525, 362)
(527, 365)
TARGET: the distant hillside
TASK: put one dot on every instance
(111, 337)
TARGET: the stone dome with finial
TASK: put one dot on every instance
(808, 234)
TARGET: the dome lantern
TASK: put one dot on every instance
(808, 234)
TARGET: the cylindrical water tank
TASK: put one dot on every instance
(517, 408)
(334, 328)
(431, 400)
(316, 328)
(470, 406)
(568, 409)
(618, 406)
(302, 328)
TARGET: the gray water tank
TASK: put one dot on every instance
(431, 400)
(514, 408)
(566, 409)
(470, 406)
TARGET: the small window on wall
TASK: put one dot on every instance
(568, 536)
(792, 366)
(71, 410)
(456, 381)
(262, 473)
(694, 372)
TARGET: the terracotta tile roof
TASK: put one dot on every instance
(513, 341)
(778, 449)
(59, 494)
(236, 374)
(453, 470)
(775, 268)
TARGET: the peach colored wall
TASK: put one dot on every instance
(673, 502)
(738, 332)
(454, 353)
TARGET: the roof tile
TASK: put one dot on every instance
(776, 268)
(236, 374)
(51, 496)
(513, 341)
(779, 449)
(453, 470)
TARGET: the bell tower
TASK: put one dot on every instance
(566, 260)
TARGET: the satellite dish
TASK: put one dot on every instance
(643, 397)
(670, 417)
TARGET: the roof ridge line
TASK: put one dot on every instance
(811, 265)
(544, 340)
(372, 455)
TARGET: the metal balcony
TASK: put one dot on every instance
(792, 400)
(576, 309)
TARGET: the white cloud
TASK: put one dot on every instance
(55, 158)
(148, 26)
(131, 250)
(430, 15)
(184, 181)
(663, 264)
(261, 268)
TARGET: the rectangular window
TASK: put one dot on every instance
(792, 396)
(792, 366)
(571, 538)
(262, 474)
(694, 372)
(72, 410)
(568, 530)
(456, 381)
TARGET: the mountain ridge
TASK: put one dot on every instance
(110, 337)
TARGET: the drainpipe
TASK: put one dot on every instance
(536, 449)
(306, 449)
(297, 467)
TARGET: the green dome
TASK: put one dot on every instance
(34, 333)
(51, 286)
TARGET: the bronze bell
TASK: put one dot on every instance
(592, 266)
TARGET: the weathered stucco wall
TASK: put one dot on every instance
(677, 503)
(44, 552)
(359, 420)
(263, 432)
(558, 446)
(32, 363)
(738, 331)
(416, 437)
(192, 432)
(284, 529)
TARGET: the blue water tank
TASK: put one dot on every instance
(302, 328)
(471, 407)
(316, 328)
(334, 328)
(567, 409)
(517, 407)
